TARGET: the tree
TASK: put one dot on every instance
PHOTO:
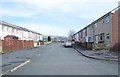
(49, 38)
(70, 35)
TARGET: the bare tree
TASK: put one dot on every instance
(70, 35)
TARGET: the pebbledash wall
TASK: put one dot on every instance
(103, 33)
(13, 37)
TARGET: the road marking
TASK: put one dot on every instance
(20, 66)
(5, 73)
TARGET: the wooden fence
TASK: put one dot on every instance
(14, 45)
(0, 46)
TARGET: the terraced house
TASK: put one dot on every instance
(102, 33)
(13, 37)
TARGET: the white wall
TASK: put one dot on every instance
(23, 35)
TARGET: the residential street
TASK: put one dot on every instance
(55, 59)
(71, 38)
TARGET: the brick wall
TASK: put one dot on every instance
(115, 40)
(119, 28)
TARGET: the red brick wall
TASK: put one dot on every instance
(0, 46)
(119, 29)
(115, 32)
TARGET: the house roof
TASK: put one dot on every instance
(17, 27)
(99, 19)
(12, 36)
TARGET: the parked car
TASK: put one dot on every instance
(67, 44)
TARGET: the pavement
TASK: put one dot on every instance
(97, 54)
(13, 59)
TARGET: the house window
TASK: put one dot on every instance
(8, 29)
(106, 20)
(103, 21)
(12, 29)
(101, 37)
(16, 30)
(96, 25)
(3, 28)
(89, 39)
(108, 36)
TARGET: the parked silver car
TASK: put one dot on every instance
(67, 44)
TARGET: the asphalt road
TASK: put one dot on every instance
(55, 59)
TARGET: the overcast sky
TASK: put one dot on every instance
(54, 17)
